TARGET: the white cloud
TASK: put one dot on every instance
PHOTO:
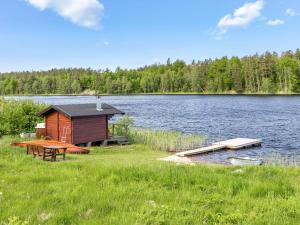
(291, 12)
(106, 43)
(275, 22)
(85, 13)
(241, 17)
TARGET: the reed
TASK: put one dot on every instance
(282, 160)
(172, 141)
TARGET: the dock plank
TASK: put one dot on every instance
(238, 143)
(202, 150)
(235, 144)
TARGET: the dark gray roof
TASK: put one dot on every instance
(81, 110)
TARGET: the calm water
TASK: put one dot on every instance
(275, 119)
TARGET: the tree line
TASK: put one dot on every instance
(265, 73)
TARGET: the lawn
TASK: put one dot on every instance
(128, 185)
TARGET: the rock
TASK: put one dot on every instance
(177, 159)
(238, 171)
(43, 217)
(88, 213)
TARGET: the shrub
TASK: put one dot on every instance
(123, 125)
(18, 116)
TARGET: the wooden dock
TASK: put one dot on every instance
(237, 143)
(121, 140)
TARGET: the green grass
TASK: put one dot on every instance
(127, 185)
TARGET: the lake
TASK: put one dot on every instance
(274, 119)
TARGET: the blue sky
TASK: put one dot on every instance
(44, 34)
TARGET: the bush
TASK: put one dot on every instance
(18, 116)
(123, 125)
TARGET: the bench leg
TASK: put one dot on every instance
(52, 156)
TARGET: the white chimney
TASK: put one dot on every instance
(99, 104)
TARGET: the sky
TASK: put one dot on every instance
(100, 34)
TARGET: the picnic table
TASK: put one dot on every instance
(54, 151)
(47, 151)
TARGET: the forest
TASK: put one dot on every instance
(268, 73)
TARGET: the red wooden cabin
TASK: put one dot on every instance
(78, 123)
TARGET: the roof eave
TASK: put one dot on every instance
(42, 113)
(99, 115)
(45, 111)
(53, 107)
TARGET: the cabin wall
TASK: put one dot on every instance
(40, 132)
(58, 126)
(52, 125)
(89, 129)
(65, 128)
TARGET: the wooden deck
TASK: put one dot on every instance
(122, 140)
(237, 143)
(71, 149)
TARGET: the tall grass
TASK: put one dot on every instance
(172, 141)
(282, 160)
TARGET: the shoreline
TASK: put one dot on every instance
(158, 94)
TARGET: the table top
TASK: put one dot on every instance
(55, 147)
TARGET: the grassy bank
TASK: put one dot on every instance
(127, 185)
